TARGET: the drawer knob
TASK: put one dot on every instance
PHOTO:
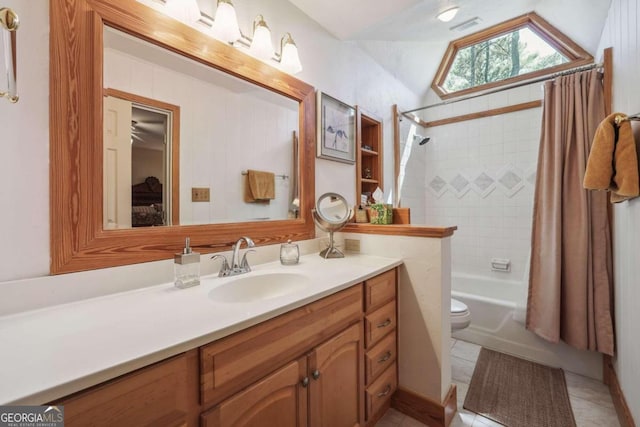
(384, 324)
(315, 374)
(384, 358)
(386, 391)
(305, 382)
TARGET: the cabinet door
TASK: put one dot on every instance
(337, 377)
(280, 400)
(164, 394)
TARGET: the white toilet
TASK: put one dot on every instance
(460, 315)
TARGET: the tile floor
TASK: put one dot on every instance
(590, 399)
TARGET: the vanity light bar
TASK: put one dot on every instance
(288, 57)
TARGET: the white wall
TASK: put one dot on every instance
(338, 68)
(24, 163)
(478, 175)
(621, 33)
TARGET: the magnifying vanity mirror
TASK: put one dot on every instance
(332, 212)
(192, 114)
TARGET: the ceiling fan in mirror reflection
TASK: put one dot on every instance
(224, 27)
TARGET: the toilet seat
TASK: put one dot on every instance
(460, 315)
(458, 306)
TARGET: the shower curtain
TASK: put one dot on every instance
(570, 278)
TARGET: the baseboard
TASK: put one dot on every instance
(622, 409)
(427, 411)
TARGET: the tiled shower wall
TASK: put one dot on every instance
(479, 175)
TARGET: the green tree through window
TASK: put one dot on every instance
(519, 52)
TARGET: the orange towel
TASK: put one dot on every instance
(260, 187)
(613, 162)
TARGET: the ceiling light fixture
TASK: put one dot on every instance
(449, 14)
(261, 45)
(225, 24)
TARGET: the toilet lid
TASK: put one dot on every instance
(458, 306)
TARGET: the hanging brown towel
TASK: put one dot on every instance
(260, 187)
(613, 162)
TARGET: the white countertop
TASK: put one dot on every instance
(49, 353)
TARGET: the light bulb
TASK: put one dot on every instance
(186, 11)
(225, 25)
(290, 61)
(261, 46)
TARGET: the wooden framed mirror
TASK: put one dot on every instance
(78, 239)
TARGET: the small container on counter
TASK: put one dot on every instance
(289, 253)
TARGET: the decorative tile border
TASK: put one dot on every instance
(509, 179)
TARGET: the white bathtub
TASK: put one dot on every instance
(492, 304)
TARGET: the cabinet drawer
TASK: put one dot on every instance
(380, 323)
(379, 290)
(232, 363)
(380, 357)
(379, 393)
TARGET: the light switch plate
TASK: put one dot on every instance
(352, 245)
(200, 194)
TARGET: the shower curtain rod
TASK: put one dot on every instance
(513, 86)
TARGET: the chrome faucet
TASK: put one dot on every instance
(236, 254)
(236, 266)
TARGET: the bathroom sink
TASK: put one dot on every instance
(259, 287)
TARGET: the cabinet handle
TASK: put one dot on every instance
(384, 358)
(386, 391)
(315, 374)
(305, 382)
(384, 324)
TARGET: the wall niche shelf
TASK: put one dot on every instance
(369, 153)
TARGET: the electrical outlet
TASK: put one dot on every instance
(352, 245)
(200, 194)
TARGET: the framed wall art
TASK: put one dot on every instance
(336, 130)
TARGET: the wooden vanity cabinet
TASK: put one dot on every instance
(237, 361)
(328, 334)
(322, 389)
(164, 394)
(314, 366)
(381, 345)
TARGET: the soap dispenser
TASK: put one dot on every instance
(187, 267)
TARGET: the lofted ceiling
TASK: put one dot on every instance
(405, 37)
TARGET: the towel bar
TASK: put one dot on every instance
(622, 118)
(9, 23)
(279, 176)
